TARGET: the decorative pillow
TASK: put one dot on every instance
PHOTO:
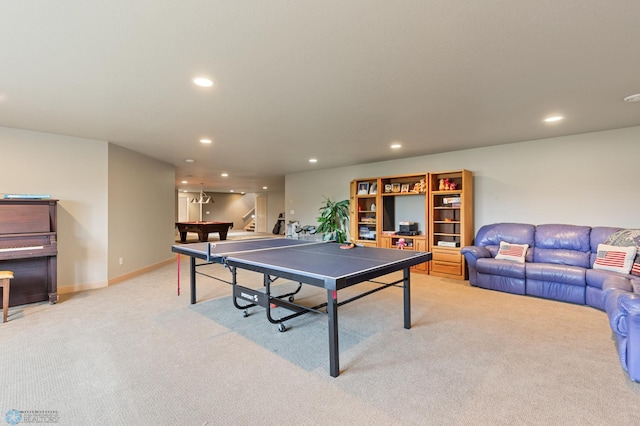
(627, 238)
(514, 252)
(613, 258)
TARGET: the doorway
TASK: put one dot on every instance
(261, 213)
(183, 209)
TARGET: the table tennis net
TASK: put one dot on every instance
(229, 248)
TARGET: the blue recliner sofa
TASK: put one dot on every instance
(559, 264)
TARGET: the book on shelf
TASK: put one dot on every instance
(451, 200)
(448, 244)
(366, 233)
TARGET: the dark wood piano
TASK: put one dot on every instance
(29, 248)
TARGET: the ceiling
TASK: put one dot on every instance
(338, 81)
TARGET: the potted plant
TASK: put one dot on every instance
(334, 220)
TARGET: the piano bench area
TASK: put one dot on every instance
(5, 280)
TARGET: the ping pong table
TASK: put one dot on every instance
(321, 264)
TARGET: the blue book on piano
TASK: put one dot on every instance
(30, 196)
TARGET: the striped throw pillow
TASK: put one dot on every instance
(613, 258)
(513, 252)
(627, 238)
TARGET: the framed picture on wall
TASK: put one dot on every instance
(363, 188)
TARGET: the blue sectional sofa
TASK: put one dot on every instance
(558, 264)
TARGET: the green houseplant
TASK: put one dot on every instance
(334, 220)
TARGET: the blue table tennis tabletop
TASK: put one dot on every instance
(321, 264)
(314, 262)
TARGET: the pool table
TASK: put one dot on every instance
(203, 229)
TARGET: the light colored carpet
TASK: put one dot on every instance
(136, 353)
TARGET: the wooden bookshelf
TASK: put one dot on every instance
(450, 221)
(443, 216)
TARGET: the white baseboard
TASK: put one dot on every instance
(141, 271)
(101, 284)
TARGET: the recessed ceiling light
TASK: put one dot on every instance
(184, 181)
(203, 82)
(632, 98)
(264, 187)
(553, 119)
(205, 140)
(313, 160)
(224, 174)
(242, 192)
(190, 160)
(231, 190)
(396, 145)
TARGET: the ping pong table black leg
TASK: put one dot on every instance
(192, 279)
(407, 298)
(332, 310)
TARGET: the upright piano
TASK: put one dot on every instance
(29, 248)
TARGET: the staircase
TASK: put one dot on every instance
(251, 226)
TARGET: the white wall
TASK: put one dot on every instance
(587, 179)
(141, 211)
(112, 202)
(74, 171)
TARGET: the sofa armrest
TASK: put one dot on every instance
(629, 305)
(617, 318)
(472, 254)
(475, 252)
